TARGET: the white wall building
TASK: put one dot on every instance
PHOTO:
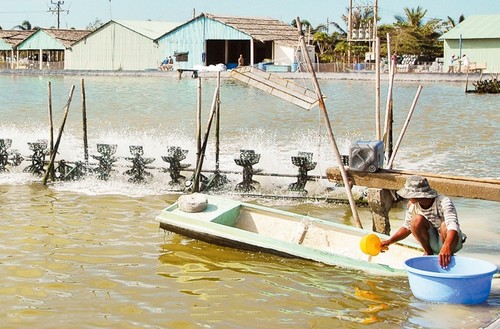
(119, 45)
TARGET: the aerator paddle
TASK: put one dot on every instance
(371, 245)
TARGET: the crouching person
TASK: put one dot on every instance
(431, 218)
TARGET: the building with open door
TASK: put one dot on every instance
(211, 40)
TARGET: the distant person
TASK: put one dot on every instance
(241, 61)
(164, 64)
(465, 63)
(431, 218)
(451, 66)
(167, 64)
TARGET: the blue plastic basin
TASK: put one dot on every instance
(465, 281)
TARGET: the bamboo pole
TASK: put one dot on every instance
(378, 130)
(84, 117)
(196, 181)
(389, 54)
(349, 34)
(198, 119)
(56, 146)
(387, 137)
(199, 164)
(322, 106)
(217, 128)
(51, 122)
(405, 126)
(467, 80)
(376, 40)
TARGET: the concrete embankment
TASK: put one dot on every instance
(361, 76)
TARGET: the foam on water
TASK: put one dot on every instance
(155, 143)
(158, 113)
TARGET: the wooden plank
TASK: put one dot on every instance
(284, 82)
(458, 186)
(276, 86)
(270, 83)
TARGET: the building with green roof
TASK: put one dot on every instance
(9, 42)
(478, 37)
(46, 48)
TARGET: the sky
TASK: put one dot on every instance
(81, 13)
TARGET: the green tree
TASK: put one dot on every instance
(362, 16)
(320, 38)
(412, 35)
(414, 17)
(322, 41)
(304, 23)
(95, 25)
(25, 25)
(450, 22)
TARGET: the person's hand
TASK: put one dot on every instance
(445, 256)
(384, 245)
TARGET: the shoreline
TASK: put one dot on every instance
(358, 76)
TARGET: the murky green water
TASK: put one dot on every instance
(89, 254)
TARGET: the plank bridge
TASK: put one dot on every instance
(457, 186)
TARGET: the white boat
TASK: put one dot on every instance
(253, 227)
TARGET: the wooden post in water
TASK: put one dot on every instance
(199, 164)
(198, 119)
(322, 106)
(405, 126)
(217, 128)
(467, 80)
(378, 130)
(376, 40)
(51, 122)
(84, 115)
(196, 178)
(388, 110)
(56, 146)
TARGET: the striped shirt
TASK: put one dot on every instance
(442, 210)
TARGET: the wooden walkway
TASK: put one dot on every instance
(458, 186)
(277, 86)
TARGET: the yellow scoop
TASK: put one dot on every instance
(371, 245)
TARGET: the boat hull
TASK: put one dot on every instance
(256, 228)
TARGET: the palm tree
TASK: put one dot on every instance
(303, 22)
(26, 25)
(414, 17)
(450, 22)
(323, 41)
(413, 35)
(362, 16)
(339, 28)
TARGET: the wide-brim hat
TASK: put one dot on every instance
(417, 187)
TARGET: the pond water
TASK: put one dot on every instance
(90, 254)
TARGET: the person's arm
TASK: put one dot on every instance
(401, 234)
(447, 249)
(449, 215)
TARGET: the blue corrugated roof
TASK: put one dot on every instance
(476, 27)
